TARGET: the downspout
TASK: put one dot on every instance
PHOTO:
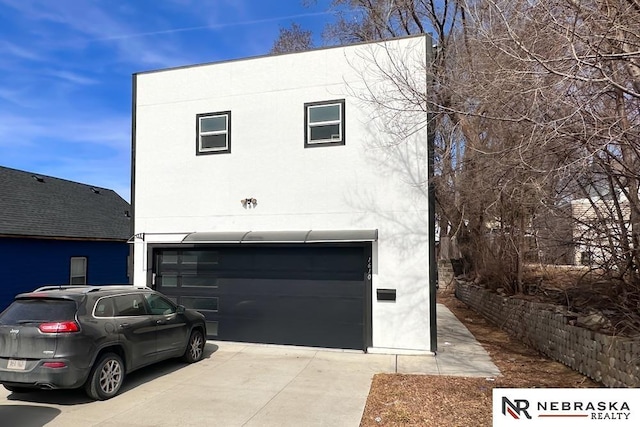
(431, 203)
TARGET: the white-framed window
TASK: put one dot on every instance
(324, 123)
(213, 132)
(78, 275)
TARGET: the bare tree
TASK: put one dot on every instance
(588, 52)
(292, 39)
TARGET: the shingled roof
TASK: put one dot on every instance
(34, 205)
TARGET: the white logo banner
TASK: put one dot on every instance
(567, 407)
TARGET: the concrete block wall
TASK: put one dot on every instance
(612, 361)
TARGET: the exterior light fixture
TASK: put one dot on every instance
(249, 202)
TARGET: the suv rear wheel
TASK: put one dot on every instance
(106, 377)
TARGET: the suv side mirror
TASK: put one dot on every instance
(180, 309)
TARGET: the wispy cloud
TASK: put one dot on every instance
(90, 23)
(98, 128)
(13, 50)
(214, 26)
(71, 77)
(92, 148)
(15, 96)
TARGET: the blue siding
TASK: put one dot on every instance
(26, 264)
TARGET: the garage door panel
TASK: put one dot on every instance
(226, 276)
(310, 332)
(312, 295)
(302, 288)
(292, 308)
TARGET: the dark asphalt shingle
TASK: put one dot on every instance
(59, 208)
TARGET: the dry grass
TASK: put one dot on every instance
(425, 400)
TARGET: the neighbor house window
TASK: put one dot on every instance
(213, 132)
(78, 271)
(324, 123)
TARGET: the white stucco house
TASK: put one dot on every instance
(274, 196)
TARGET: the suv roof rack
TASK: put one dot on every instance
(97, 288)
(88, 288)
(57, 287)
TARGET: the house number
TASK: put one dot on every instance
(369, 269)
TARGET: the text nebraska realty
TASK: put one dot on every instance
(598, 410)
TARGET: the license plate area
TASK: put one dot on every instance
(17, 364)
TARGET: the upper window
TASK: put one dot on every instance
(78, 274)
(324, 123)
(213, 133)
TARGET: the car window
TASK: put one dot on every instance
(129, 305)
(104, 308)
(160, 305)
(38, 310)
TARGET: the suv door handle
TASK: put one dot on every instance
(160, 322)
(124, 325)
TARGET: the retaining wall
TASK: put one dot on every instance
(612, 361)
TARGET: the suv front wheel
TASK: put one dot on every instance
(106, 377)
(195, 347)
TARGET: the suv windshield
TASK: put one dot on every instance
(38, 310)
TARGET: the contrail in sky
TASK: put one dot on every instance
(208, 27)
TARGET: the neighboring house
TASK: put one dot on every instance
(267, 195)
(583, 231)
(54, 231)
(597, 228)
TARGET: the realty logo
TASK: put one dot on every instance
(516, 408)
(600, 407)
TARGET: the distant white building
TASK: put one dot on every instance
(597, 228)
(265, 195)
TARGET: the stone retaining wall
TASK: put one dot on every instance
(612, 361)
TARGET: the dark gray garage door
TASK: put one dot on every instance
(310, 294)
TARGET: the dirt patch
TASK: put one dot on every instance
(426, 400)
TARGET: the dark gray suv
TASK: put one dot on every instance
(92, 336)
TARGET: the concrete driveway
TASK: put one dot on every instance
(248, 385)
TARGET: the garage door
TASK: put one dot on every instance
(309, 294)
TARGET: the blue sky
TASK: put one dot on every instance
(66, 66)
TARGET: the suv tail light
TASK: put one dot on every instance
(54, 365)
(57, 327)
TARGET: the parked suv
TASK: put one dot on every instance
(92, 336)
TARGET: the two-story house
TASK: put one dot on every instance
(269, 195)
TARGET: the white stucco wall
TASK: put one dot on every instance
(374, 181)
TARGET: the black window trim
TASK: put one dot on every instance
(342, 141)
(199, 151)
